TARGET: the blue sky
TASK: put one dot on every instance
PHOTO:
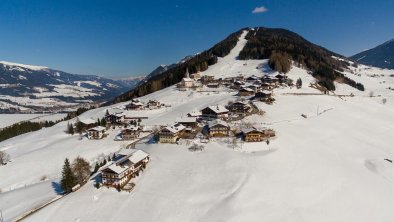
(126, 38)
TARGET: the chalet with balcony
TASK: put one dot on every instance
(115, 118)
(246, 91)
(215, 112)
(130, 133)
(217, 128)
(239, 107)
(153, 104)
(127, 165)
(134, 105)
(96, 133)
(171, 134)
(256, 135)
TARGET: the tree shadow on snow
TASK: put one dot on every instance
(57, 188)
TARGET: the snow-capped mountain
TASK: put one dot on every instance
(39, 87)
(381, 56)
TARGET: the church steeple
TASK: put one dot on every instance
(187, 73)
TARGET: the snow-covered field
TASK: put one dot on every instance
(328, 167)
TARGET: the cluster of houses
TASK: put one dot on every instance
(258, 87)
(136, 104)
(127, 164)
(212, 120)
(130, 126)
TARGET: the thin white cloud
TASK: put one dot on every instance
(261, 9)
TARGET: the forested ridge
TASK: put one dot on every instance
(281, 46)
(199, 62)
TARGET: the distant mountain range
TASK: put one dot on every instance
(381, 56)
(28, 87)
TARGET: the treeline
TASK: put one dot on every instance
(27, 126)
(199, 62)
(353, 83)
(280, 45)
(21, 128)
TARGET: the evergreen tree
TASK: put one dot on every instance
(70, 128)
(96, 168)
(106, 113)
(103, 122)
(98, 122)
(68, 180)
(299, 83)
(97, 185)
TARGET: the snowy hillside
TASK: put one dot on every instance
(329, 166)
(28, 88)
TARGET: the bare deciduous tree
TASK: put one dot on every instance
(81, 169)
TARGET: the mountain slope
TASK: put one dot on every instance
(39, 87)
(173, 75)
(381, 56)
(261, 43)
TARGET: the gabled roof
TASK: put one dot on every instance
(218, 109)
(137, 156)
(217, 122)
(175, 128)
(97, 128)
(132, 128)
(130, 157)
(247, 89)
(195, 114)
(88, 121)
(251, 129)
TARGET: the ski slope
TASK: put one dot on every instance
(327, 167)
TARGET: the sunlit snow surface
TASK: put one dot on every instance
(327, 167)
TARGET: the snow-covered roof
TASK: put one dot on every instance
(137, 156)
(175, 127)
(186, 120)
(186, 79)
(266, 92)
(195, 114)
(97, 128)
(87, 121)
(131, 157)
(119, 114)
(251, 129)
(134, 128)
(217, 122)
(218, 109)
(247, 89)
